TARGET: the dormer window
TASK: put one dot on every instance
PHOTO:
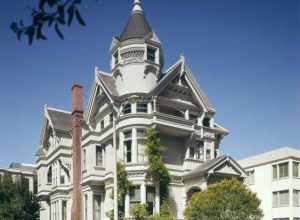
(127, 109)
(116, 58)
(151, 54)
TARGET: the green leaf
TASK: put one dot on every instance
(61, 13)
(58, 32)
(19, 34)
(30, 33)
(50, 22)
(79, 18)
(70, 14)
(39, 33)
(14, 27)
(42, 3)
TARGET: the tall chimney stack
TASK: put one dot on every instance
(77, 117)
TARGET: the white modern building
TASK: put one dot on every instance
(21, 170)
(275, 177)
(75, 157)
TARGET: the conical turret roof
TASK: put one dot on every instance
(137, 25)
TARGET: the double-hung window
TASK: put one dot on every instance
(296, 169)
(280, 170)
(99, 155)
(128, 146)
(97, 207)
(283, 170)
(296, 198)
(196, 151)
(151, 54)
(281, 199)
(127, 109)
(135, 196)
(250, 177)
(142, 107)
(140, 145)
(208, 154)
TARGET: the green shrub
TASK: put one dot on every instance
(139, 212)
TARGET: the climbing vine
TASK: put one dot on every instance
(157, 169)
(123, 187)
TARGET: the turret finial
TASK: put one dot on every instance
(137, 7)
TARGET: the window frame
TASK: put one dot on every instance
(298, 169)
(99, 148)
(127, 109)
(297, 192)
(128, 142)
(151, 57)
(142, 109)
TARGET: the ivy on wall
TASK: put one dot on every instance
(157, 169)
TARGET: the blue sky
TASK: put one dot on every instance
(244, 53)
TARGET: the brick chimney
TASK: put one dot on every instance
(77, 117)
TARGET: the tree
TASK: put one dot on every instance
(48, 13)
(226, 200)
(16, 201)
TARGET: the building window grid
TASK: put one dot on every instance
(280, 170)
(296, 198)
(296, 169)
(281, 199)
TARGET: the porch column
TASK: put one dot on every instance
(143, 193)
(149, 108)
(127, 206)
(187, 114)
(155, 104)
(157, 199)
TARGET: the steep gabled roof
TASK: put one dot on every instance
(109, 82)
(213, 164)
(181, 68)
(61, 120)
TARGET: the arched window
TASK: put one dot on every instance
(192, 191)
(49, 175)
